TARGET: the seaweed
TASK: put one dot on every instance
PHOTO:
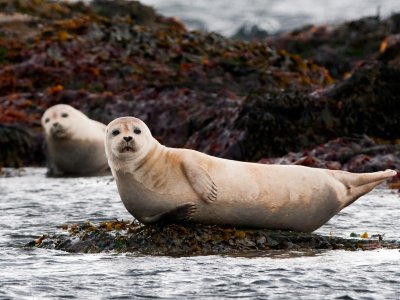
(195, 239)
(225, 97)
(340, 47)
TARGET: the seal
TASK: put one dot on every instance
(161, 184)
(75, 143)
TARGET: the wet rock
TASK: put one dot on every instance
(17, 146)
(341, 47)
(357, 155)
(249, 33)
(61, 10)
(271, 242)
(278, 122)
(103, 59)
(225, 97)
(122, 236)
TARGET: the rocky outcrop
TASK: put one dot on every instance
(225, 97)
(122, 236)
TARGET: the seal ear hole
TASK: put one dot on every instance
(47, 120)
(64, 115)
(137, 131)
(115, 132)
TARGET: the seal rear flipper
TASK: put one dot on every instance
(360, 184)
(182, 213)
(361, 179)
(201, 181)
(357, 192)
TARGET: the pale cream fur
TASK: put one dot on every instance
(153, 179)
(75, 142)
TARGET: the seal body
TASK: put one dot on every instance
(75, 142)
(157, 184)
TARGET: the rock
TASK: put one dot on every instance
(277, 122)
(249, 33)
(341, 47)
(105, 59)
(225, 97)
(358, 155)
(17, 146)
(194, 239)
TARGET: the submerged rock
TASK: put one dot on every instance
(123, 236)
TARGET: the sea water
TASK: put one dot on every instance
(226, 17)
(32, 204)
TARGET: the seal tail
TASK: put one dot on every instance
(360, 184)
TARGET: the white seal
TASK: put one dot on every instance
(75, 142)
(160, 184)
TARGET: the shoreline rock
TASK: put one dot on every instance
(195, 239)
(225, 97)
(358, 155)
(341, 47)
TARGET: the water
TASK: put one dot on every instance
(226, 17)
(32, 204)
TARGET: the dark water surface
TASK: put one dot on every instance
(32, 204)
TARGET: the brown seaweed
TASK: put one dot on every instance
(225, 97)
(195, 239)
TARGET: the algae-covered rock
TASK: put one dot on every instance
(104, 59)
(225, 97)
(277, 122)
(355, 154)
(341, 47)
(122, 236)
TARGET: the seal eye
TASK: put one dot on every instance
(137, 131)
(64, 115)
(47, 120)
(115, 132)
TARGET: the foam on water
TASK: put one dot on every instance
(226, 17)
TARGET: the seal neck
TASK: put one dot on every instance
(146, 162)
(141, 163)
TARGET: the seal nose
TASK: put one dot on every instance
(55, 124)
(128, 138)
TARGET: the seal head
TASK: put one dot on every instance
(58, 121)
(75, 142)
(127, 139)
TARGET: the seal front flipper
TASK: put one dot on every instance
(182, 213)
(201, 181)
